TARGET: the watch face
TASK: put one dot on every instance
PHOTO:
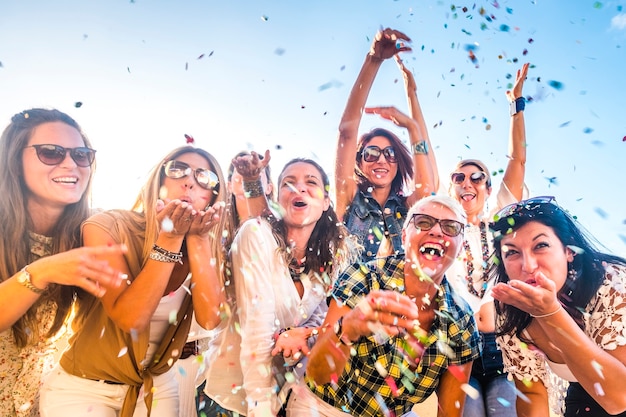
(22, 278)
(337, 327)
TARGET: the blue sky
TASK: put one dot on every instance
(276, 74)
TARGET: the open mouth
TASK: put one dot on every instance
(468, 196)
(66, 180)
(432, 250)
(299, 203)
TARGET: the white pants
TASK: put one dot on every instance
(189, 379)
(64, 395)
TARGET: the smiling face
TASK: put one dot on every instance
(381, 172)
(472, 195)
(302, 195)
(54, 186)
(187, 188)
(535, 248)
(432, 249)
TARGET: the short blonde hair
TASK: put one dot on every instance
(442, 199)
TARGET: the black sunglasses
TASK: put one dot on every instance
(205, 178)
(477, 177)
(372, 153)
(54, 154)
(449, 227)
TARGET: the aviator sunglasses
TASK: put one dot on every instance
(372, 153)
(205, 178)
(477, 177)
(425, 222)
(54, 154)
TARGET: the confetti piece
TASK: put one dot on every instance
(279, 51)
(456, 372)
(557, 85)
(470, 391)
(601, 212)
(201, 56)
(504, 402)
(624, 139)
(597, 5)
(565, 123)
(122, 352)
(265, 18)
(504, 28)
(587, 130)
(78, 104)
(189, 139)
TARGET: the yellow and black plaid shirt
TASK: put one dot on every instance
(361, 389)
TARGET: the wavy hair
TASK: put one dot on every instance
(330, 247)
(403, 156)
(14, 234)
(588, 261)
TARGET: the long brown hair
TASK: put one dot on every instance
(14, 236)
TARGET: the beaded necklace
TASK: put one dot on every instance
(469, 259)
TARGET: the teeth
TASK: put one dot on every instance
(432, 250)
(70, 180)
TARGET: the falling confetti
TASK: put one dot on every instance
(265, 18)
(565, 123)
(557, 85)
(279, 51)
(189, 139)
(78, 104)
(587, 130)
(601, 212)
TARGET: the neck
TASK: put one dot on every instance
(242, 208)
(43, 218)
(298, 238)
(473, 218)
(419, 286)
(381, 194)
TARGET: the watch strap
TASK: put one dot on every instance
(518, 105)
(26, 281)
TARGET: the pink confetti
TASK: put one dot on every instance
(189, 139)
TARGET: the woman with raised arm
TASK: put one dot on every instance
(561, 306)
(135, 334)
(46, 169)
(370, 188)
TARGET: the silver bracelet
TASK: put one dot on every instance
(253, 188)
(163, 255)
(420, 148)
(540, 316)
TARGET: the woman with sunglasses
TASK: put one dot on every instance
(561, 306)
(370, 188)
(46, 169)
(394, 332)
(133, 336)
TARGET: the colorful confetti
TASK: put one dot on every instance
(557, 85)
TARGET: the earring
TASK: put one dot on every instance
(572, 274)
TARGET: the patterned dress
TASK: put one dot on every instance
(21, 369)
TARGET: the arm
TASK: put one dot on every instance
(534, 402)
(450, 396)
(250, 168)
(593, 366)
(383, 47)
(86, 268)
(426, 171)
(132, 306)
(206, 286)
(516, 167)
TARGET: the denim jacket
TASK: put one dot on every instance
(366, 220)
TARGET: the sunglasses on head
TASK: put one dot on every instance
(54, 154)
(527, 208)
(372, 153)
(205, 178)
(425, 222)
(477, 177)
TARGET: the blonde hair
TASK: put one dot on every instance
(441, 199)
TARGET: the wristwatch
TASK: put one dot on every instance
(24, 279)
(338, 328)
(517, 105)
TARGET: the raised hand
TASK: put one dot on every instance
(519, 83)
(251, 166)
(536, 296)
(204, 221)
(393, 114)
(388, 42)
(175, 217)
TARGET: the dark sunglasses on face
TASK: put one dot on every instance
(54, 154)
(205, 178)
(449, 227)
(372, 153)
(477, 177)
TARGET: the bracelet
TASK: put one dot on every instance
(517, 105)
(420, 148)
(539, 316)
(25, 279)
(253, 188)
(163, 255)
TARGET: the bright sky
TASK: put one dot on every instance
(259, 74)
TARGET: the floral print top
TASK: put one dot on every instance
(21, 369)
(604, 321)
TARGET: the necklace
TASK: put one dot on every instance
(469, 259)
(296, 269)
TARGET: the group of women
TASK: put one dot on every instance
(363, 307)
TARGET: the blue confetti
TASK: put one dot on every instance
(587, 130)
(557, 85)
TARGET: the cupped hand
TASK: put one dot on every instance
(204, 221)
(83, 267)
(381, 311)
(388, 42)
(251, 166)
(519, 83)
(393, 114)
(175, 217)
(537, 296)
